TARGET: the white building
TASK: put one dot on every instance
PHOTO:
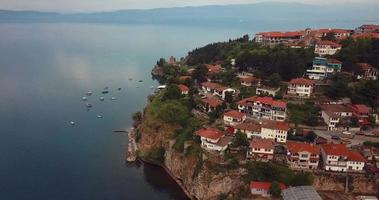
(367, 71)
(262, 188)
(327, 48)
(261, 149)
(323, 67)
(333, 113)
(213, 139)
(233, 118)
(183, 89)
(336, 157)
(216, 89)
(300, 87)
(251, 129)
(263, 107)
(275, 130)
(302, 155)
(267, 91)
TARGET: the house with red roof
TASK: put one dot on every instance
(263, 107)
(275, 37)
(261, 149)
(367, 72)
(334, 113)
(300, 87)
(262, 188)
(326, 47)
(249, 81)
(210, 104)
(233, 117)
(302, 155)
(213, 139)
(362, 113)
(323, 67)
(183, 89)
(336, 157)
(367, 28)
(276, 130)
(214, 69)
(216, 89)
(263, 90)
(251, 129)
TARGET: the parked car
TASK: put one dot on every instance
(335, 137)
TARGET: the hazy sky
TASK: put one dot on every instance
(98, 5)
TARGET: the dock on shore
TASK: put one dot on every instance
(131, 154)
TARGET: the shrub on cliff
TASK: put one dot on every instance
(275, 189)
(156, 154)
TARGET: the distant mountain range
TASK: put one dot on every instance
(259, 12)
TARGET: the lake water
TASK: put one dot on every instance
(45, 69)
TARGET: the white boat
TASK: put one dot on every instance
(72, 123)
(89, 93)
(113, 98)
(88, 105)
(162, 87)
(102, 98)
(99, 116)
(84, 98)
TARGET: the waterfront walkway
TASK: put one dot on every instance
(132, 146)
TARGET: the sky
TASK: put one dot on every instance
(106, 5)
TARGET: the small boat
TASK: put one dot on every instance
(106, 88)
(162, 87)
(88, 105)
(140, 81)
(99, 116)
(84, 98)
(113, 98)
(72, 123)
(102, 98)
(89, 93)
(119, 89)
(137, 86)
(130, 79)
(105, 92)
(88, 109)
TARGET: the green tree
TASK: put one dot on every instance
(275, 189)
(229, 97)
(137, 118)
(174, 112)
(240, 139)
(311, 136)
(274, 80)
(200, 73)
(172, 92)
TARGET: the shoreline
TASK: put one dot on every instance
(180, 184)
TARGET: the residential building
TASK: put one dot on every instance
(367, 28)
(362, 113)
(261, 149)
(336, 157)
(302, 155)
(183, 89)
(300, 87)
(366, 35)
(263, 107)
(262, 188)
(249, 81)
(367, 71)
(251, 129)
(273, 38)
(333, 113)
(300, 193)
(267, 91)
(327, 48)
(210, 104)
(216, 89)
(275, 130)
(233, 118)
(338, 33)
(213, 139)
(214, 69)
(322, 67)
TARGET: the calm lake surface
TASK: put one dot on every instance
(45, 70)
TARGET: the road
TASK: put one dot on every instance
(357, 140)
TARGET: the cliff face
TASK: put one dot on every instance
(199, 182)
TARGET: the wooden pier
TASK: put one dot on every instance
(131, 154)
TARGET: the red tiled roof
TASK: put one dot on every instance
(262, 143)
(249, 126)
(275, 125)
(183, 88)
(264, 100)
(213, 102)
(210, 133)
(296, 147)
(329, 43)
(361, 108)
(281, 34)
(301, 81)
(214, 86)
(364, 66)
(264, 185)
(235, 114)
(355, 156)
(366, 35)
(335, 149)
(328, 30)
(248, 79)
(214, 69)
(335, 108)
(334, 61)
(370, 26)
(184, 78)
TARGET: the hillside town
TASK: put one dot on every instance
(303, 123)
